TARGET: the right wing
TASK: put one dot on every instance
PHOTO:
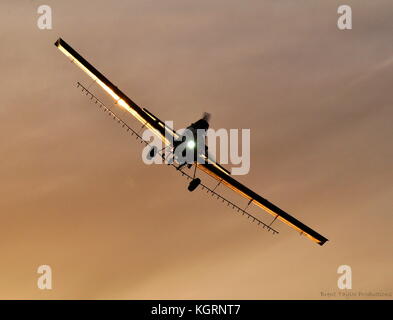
(261, 202)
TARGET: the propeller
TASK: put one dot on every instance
(206, 116)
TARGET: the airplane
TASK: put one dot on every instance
(163, 131)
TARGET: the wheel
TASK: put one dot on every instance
(194, 184)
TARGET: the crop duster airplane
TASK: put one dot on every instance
(209, 166)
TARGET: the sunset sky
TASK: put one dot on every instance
(76, 195)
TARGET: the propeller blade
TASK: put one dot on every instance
(206, 116)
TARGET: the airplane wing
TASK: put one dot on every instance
(261, 202)
(148, 120)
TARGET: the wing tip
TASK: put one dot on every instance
(57, 43)
(323, 241)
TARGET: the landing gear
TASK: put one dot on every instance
(194, 184)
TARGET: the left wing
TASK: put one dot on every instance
(145, 117)
(158, 127)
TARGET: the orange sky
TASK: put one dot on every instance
(75, 194)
